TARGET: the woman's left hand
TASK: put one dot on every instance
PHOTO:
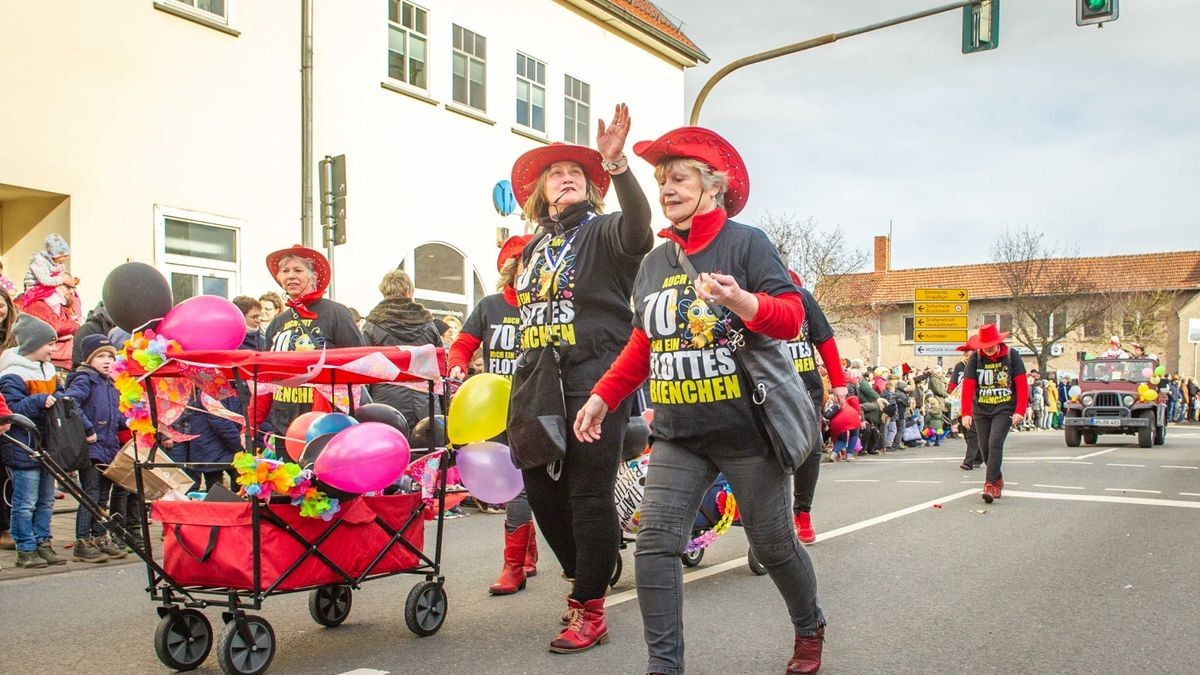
(587, 422)
(610, 139)
(723, 289)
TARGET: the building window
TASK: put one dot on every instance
(909, 329)
(531, 92)
(577, 111)
(406, 42)
(1003, 321)
(212, 9)
(439, 273)
(470, 69)
(1094, 326)
(200, 253)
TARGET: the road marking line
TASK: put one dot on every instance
(626, 596)
(1095, 454)
(1059, 487)
(1149, 492)
(930, 482)
(1190, 494)
(1070, 461)
(1172, 466)
(366, 671)
(1104, 498)
(1138, 466)
(856, 480)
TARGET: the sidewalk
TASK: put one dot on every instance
(62, 531)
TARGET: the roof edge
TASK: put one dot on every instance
(642, 31)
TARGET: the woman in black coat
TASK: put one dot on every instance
(397, 320)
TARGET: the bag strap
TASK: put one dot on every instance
(208, 550)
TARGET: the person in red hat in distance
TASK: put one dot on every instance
(972, 460)
(574, 293)
(685, 330)
(493, 325)
(994, 397)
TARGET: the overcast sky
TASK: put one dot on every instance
(1092, 135)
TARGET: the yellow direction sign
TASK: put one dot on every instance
(941, 294)
(940, 308)
(944, 336)
(940, 321)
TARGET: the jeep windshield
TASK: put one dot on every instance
(1118, 370)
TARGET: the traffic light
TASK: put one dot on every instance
(1089, 12)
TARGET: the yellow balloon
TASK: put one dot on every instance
(1143, 388)
(479, 410)
(1149, 395)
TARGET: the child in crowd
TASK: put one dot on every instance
(934, 419)
(29, 385)
(47, 271)
(844, 427)
(911, 435)
(91, 385)
(216, 441)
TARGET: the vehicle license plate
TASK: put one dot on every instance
(1102, 422)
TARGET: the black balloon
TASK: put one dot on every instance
(135, 293)
(637, 437)
(383, 413)
(423, 435)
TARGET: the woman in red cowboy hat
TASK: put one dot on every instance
(307, 321)
(574, 292)
(994, 396)
(493, 326)
(972, 460)
(685, 332)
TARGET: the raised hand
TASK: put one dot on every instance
(610, 139)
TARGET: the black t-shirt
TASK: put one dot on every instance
(333, 328)
(577, 287)
(698, 394)
(497, 325)
(813, 331)
(994, 390)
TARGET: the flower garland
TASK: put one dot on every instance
(264, 475)
(150, 351)
(728, 512)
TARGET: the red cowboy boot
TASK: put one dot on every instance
(586, 630)
(806, 658)
(998, 486)
(531, 556)
(804, 528)
(512, 577)
(989, 492)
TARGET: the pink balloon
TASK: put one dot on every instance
(1147, 372)
(205, 322)
(488, 472)
(363, 458)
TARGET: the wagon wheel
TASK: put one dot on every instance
(618, 567)
(330, 605)
(755, 566)
(693, 558)
(248, 654)
(425, 608)
(183, 639)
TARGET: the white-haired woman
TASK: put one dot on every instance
(685, 332)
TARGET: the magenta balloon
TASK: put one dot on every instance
(363, 458)
(205, 322)
(488, 472)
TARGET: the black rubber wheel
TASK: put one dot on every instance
(692, 559)
(618, 567)
(239, 655)
(1072, 436)
(1089, 437)
(425, 608)
(1145, 435)
(756, 567)
(182, 641)
(1160, 434)
(330, 605)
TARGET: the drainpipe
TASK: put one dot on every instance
(306, 122)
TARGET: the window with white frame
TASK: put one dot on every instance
(1004, 322)
(531, 92)
(407, 39)
(470, 69)
(439, 273)
(211, 9)
(200, 253)
(577, 111)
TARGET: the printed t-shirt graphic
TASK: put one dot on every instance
(546, 298)
(498, 325)
(297, 335)
(815, 329)
(994, 382)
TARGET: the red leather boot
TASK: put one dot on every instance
(997, 487)
(512, 577)
(989, 492)
(531, 556)
(806, 658)
(804, 528)
(586, 630)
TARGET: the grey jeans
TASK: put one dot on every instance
(676, 482)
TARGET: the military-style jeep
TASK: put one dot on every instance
(1109, 403)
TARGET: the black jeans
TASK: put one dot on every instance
(972, 439)
(577, 512)
(991, 431)
(804, 482)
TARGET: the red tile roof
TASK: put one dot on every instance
(661, 23)
(1177, 270)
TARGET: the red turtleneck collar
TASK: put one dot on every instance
(510, 295)
(705, 227)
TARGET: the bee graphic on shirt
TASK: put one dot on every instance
(700, 322)
(1002, 379)
(304, 343)
(550, 278)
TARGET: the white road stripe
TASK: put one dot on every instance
(366, 671)
(1190, 494)
(1070, 461)
(856, 480)
(626, 596)
(930, 482)
(1095, 454)
(1137, 466)
(1172, 466)
(1149, 492)
(1059, 487)
(1104, 498)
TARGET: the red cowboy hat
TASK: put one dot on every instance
(971, 345)
(708, 147)
(988, 336)
(512, 248)
(529, 167)
(319, 261)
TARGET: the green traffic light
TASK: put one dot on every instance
(1096, 5)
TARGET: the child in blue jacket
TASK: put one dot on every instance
(29, 384)
(91, 386)
(217, 439)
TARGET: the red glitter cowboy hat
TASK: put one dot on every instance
(512, 248)
(319, 262)
(708, 147)
(529, 167)
(988, 336)
(971, 346)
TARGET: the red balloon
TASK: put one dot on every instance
(296, 437)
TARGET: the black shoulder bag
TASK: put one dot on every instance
(780, 402)
(63, 436)
(537, 410)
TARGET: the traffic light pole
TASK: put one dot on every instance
(810, 44)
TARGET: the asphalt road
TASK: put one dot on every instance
(1087, 565)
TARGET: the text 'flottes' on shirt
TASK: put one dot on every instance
(293, 395)
(690, 360)
(543, 320)
(801, 351)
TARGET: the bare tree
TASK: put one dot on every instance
(822, 258)
(1049, 297)
(1141, 316)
